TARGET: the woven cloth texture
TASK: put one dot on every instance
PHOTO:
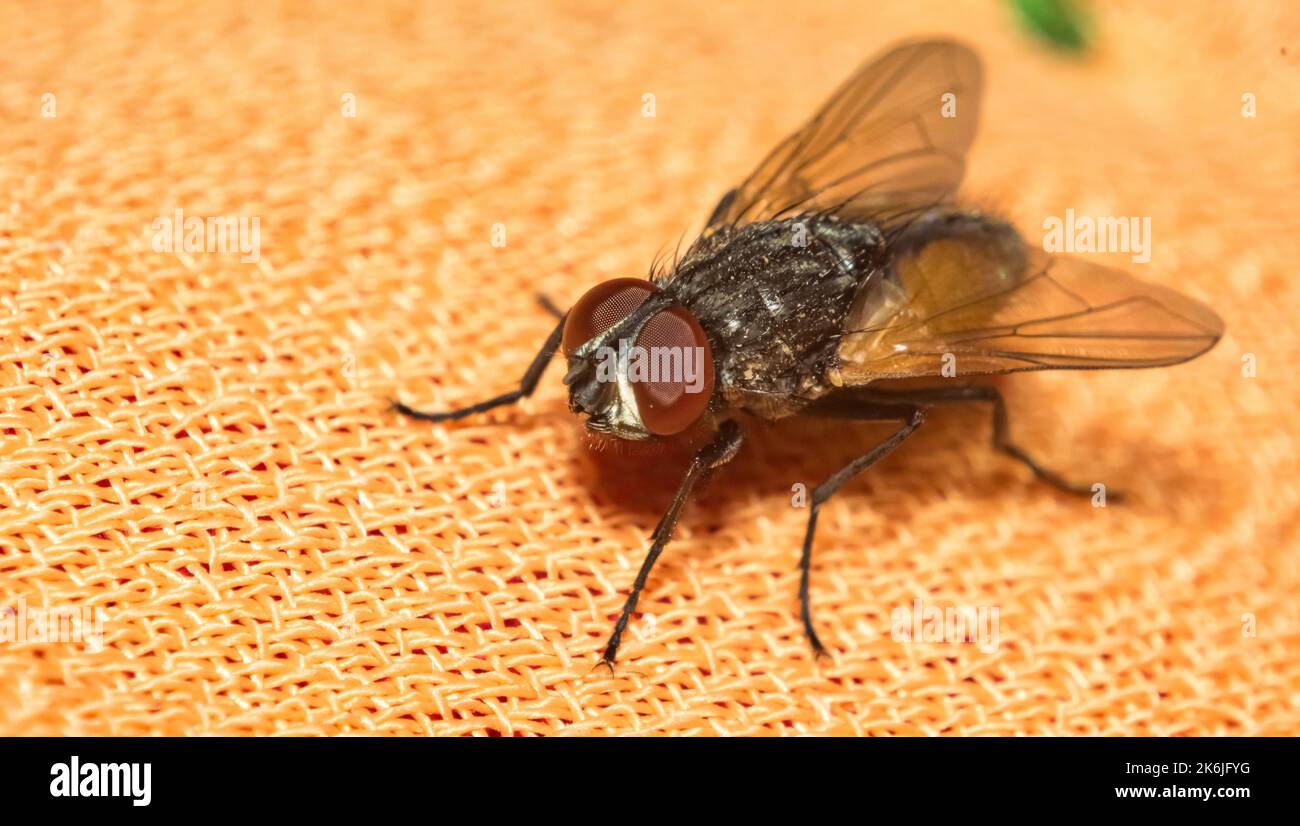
(199, 447)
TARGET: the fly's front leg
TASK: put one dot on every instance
(718, 452)
(526, 386)
(912, 417)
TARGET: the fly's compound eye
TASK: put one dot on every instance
(671, 372)
(600, 308)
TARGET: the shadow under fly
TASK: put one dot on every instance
(841, 264)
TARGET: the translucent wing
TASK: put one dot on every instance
(985, 303)
(890, 141)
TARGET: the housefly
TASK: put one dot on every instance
(839, 266)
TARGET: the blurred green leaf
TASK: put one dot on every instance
(1059, 22)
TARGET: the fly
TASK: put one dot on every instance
(841, 264)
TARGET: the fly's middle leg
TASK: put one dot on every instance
(912, 418)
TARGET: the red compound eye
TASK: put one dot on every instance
(600, 308)
(675, 381)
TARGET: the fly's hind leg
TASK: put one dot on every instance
(1001, 431)
(912, 417)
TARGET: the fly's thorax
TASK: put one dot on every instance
(772, 297)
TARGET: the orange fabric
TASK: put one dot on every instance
(199, 446)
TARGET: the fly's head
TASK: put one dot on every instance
(640, 365)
